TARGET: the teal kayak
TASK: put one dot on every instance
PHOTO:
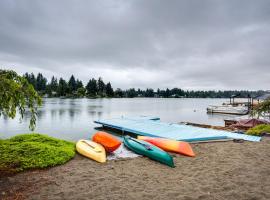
(147, 149)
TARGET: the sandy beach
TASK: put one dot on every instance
(222, 170)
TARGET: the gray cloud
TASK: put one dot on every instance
(210, 44)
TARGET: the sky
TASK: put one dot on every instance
(189, 44)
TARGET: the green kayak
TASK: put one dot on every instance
(144, 148)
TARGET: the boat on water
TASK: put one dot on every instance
(228, 109)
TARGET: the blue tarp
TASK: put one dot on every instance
(151, 126)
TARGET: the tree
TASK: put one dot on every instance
(41, 83)
(131, 93)
(262, 109)
(81, 92)
(149, 93)
(158, 92)
(31, 79)
(72, 84)
(16, 93)
(101, 87)
(54, 84)
(167, 93)
(48, 90)
(119, 93)
(79, 84)
(109, 90)
(62, 87)
(91, 87)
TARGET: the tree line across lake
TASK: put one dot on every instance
(98, 88)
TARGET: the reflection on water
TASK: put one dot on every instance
(72, 119)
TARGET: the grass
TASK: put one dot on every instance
(259, 129)
(33, 151)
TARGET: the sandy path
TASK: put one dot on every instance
(224, 170)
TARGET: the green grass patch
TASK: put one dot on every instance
(33, 151)
(259, 129)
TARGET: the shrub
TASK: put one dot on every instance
(259, 129)
(32, 151)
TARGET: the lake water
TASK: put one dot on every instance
(72, 119)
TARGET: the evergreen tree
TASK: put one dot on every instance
(48, 90)
(79, 84)
(101, 87)
(41, 82)
(149, 93)
(27, 77)
(109, 90)
(119, 93)
(131, 93)
(62, 87)
(91, 87)
(54, 84)
(167, 93)
(31, 79)
(158, 92)
(72, 85)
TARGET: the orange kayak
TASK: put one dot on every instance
(170, 145)
(109, 142)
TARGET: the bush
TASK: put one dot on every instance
(32, 151)
(259, 129)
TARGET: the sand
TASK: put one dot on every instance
(223, 170)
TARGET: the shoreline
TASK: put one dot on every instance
(224, 170)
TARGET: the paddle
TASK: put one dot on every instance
(148, 147)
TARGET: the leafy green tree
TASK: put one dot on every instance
(262, 109)
(81, 92)
(109, 90)
(91, 87)
(16, 93)
(62, 87)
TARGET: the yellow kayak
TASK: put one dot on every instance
(91, 150)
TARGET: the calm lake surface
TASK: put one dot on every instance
(72, 119)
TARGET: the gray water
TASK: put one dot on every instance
(72, 119)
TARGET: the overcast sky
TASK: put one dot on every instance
(192, 44)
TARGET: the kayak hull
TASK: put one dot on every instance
(170, 145)
(146, 149)
(109, 142)
(91, 150)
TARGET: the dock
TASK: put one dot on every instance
(153, 127)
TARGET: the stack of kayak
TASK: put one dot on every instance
(153, 148)
(96, 149)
